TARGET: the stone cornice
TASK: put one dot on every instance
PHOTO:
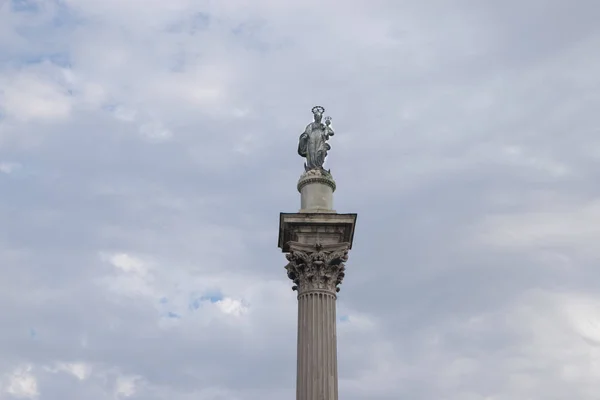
(316, 176)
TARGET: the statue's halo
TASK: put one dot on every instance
(318, 109)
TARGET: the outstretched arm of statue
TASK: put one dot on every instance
(329, 131)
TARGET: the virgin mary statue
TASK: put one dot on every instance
(313, 142)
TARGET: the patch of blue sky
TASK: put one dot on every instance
(51, 18)
(111, 107)
(173, 315)
(195, 304)
(201, 20)
(244, 29)
(344, 318)
(64, 17)
(32, 333)
(61, 14)
(212, 297)
(24, 6)
(60, 59)
(178, 63)
(163, 300)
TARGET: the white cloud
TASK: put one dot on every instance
(22, 383)
(79, 370)
(136, 277)
(583, 313)
(231, 307)
(127, 263)
(155, 132)
(131, 277)
(556, 324)
(8, 167)
(126, 386)
(570, 225)
(30, 96)
(125, 114)
(352, 320)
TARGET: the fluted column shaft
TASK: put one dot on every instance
(317, 270)
(317, 347)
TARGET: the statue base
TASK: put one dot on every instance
(316, 188)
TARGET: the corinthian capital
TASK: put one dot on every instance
(317, 266)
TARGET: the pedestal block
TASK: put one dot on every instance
(316, 189)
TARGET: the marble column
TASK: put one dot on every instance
(317, 270)
(317, 241)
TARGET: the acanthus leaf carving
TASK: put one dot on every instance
(317, 267)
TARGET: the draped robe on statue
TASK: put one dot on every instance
(313, 144)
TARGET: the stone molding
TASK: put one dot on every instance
(316, 176)
(315, 227)
(316, 267)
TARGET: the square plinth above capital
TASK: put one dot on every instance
(310, 228)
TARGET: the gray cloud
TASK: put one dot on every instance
(146, 151)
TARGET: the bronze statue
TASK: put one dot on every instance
(313, 142)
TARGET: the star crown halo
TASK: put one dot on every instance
(318, 109)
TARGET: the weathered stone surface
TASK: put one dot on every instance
(317, 267)
(316, 189)
(310, 228)
(316, 271)
(317, 376)
(317, 245)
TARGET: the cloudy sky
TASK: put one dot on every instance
(147, 148)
